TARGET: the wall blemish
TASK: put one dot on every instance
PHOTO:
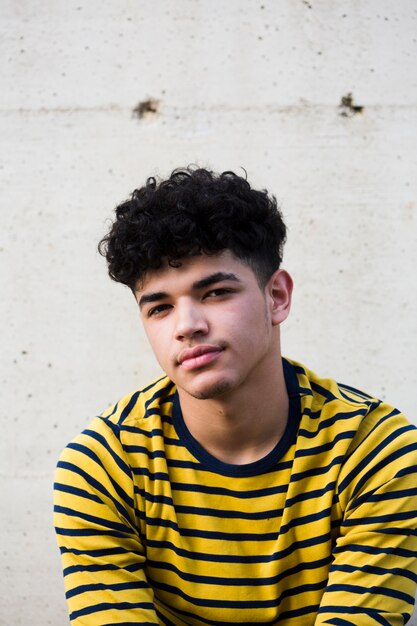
(348, 108)
(146, 108)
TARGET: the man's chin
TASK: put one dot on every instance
(209, 392)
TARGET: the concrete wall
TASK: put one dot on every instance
(316, 99)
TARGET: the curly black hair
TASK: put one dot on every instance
(195, 211)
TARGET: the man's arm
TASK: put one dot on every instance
(374, 573)
(97, 531)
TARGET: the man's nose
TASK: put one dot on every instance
(190, 321)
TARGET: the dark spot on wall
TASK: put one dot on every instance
(146, 108)
(348, 108)
(308, 4)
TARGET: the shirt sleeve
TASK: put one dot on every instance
(373, 576)
(98, 534)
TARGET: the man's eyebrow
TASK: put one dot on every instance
(152, 297)
(199, 284)
(214, 278)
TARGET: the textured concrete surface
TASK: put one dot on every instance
(317, 101)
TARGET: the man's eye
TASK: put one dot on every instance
(156, 310)
(220, 291)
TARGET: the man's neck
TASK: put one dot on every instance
(241, 427)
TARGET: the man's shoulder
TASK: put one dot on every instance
(107, 432)
(345, 407)
(154, 398)
(326, 389)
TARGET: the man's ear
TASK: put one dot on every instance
(279, 292)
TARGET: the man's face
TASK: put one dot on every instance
(209, 323)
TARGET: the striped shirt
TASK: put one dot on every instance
(154, 530)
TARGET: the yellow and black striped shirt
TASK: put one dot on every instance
(154, 530)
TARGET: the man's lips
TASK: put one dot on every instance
(192, 358)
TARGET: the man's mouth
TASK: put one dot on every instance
(193, 358)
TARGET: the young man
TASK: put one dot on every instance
(239, 488)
